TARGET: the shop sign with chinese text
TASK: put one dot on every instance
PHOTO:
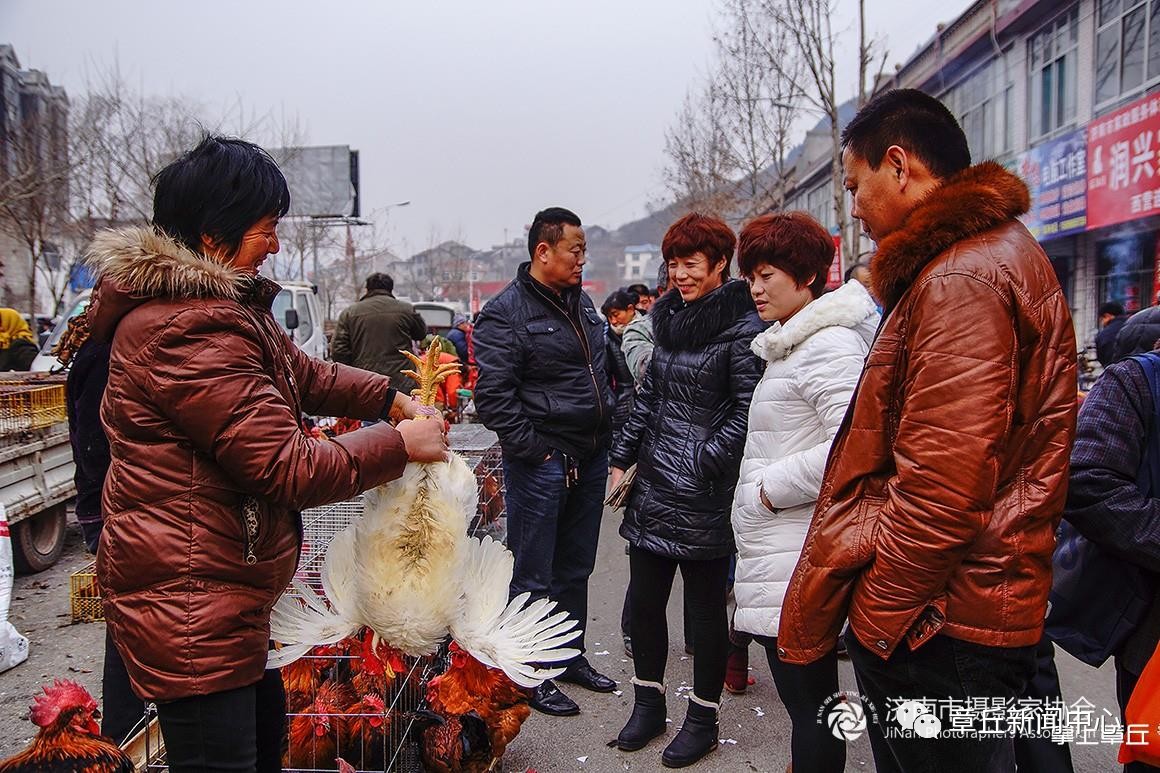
(1056, 173)
(1123, 176)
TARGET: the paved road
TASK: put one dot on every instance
(754, 727)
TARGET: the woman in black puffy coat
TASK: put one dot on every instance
(686, 436)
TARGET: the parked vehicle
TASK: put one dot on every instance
(437, 315)
(36, 467)
(45, 362)
(296, 308)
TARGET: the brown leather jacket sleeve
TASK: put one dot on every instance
(210, 378)
(331, 389)
(955, 422)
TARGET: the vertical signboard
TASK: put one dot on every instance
(1123, 175)
(1056, 174)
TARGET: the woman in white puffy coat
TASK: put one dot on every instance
(814, 352)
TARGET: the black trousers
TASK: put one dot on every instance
(704, 582)
(1042, 755)
(234, 730)
(942, 670)
(121, 710)
(805, 691)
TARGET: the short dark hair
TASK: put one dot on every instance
(914, 121)
(548, 226)
(380, 281)
(1113, 308)
(794, 242)
(220, 189)
(695, 233)
(617, 300)
(640, 289)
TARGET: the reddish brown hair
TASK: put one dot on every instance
(794, 242)
(695, 233)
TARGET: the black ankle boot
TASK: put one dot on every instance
(648, 717)
(698, 736)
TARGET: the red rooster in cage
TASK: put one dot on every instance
(453, 744)
(69, 738)
(365, 735)
(469, 686)
(314, 734)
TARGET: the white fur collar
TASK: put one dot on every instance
(848, 306)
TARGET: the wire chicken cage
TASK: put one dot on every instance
(337, 706)
(31, 403)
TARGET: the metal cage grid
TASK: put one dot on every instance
(29, 405)
(383, 741)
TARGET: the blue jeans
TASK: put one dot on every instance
(553, 530)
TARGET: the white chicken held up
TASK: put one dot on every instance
(408, 571)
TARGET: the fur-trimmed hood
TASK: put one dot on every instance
(148, 263)
(135, 265)
(975, 200)
(678, 325)
(849, 306)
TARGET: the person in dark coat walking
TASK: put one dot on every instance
(372, 333)
(686, 435)
(543, 388)
(1112, 320)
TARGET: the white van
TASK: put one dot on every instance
(296, 309)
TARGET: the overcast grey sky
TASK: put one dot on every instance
(480, 113)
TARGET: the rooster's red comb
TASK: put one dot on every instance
(62, 695)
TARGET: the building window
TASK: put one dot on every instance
(1052, 55)
(1127, 47)
(982, 103)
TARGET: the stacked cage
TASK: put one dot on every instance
(32, 401)
(346, 701)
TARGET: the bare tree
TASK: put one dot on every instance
(699, 168)
(761, 103)
(727, 147)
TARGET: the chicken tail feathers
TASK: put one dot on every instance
(517, 637)
(305, 617)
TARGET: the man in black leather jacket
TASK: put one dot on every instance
(544, 389)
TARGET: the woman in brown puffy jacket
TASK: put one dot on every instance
(210, 463)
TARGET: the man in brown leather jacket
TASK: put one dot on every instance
(935, 525)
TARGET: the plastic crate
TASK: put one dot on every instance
(84, 596)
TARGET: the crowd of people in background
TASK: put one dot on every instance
(878, 467)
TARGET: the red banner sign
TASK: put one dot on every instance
(1123, 164)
